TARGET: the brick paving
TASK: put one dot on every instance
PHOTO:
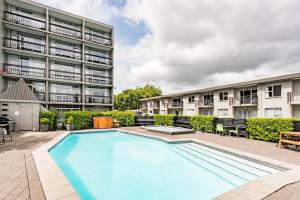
(19, 179)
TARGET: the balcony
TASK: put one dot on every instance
(41, 96)
(25, 19)
(57, 51)
(60, 97)
(24, 70)
(205, 103)
(98, 39)
(68, 31)
(63, 75)
(98, 59)
(98, 79)
(246, 101)
(177, 104)
(98, 99)
(23, 45)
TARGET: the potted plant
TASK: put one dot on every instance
(44, 124)
(70, 124)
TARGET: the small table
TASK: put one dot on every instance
(283, 140)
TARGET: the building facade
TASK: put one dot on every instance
(269, 97)
(66, 59)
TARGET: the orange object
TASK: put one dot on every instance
(103, 122)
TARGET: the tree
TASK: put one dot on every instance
(129, 99)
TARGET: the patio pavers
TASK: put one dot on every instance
(19, 178)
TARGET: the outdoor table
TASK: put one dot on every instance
(283, 140)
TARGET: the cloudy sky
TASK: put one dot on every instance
(186, 44)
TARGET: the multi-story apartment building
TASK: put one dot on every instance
(66, 59)
(268, 97)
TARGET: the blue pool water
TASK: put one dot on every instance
(113, 165)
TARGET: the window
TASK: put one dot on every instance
(190, 112)
(274, 91)
(222, 112)
(223, 96)
(207, 112)
(273, 112)
(244, 114)
(191, 99)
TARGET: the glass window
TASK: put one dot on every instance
(191, 99)
(222, 112)
(273, 112)
(274, 91)
(223, 96)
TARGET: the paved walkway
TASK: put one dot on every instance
(19, 179)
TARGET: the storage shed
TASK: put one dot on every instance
(20, 103)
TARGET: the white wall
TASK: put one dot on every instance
(223, 104)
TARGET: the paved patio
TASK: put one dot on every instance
(19, 178)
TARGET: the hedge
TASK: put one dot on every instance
(167, 120)
(52, 116)
(268, 129)
(202, 123)
(84, 119)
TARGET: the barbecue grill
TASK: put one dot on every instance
(7, 123)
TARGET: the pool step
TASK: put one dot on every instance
(227, 176)
(254, 167)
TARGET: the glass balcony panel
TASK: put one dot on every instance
(98, 39)
(24, 70)
(97, 99)
(24, 19)
(58, 97)
(65, 53)
(97, 79)
(65, 31)
(23, 45)
(56, 74)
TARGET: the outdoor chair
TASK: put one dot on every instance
(234, 131)
(220, 129)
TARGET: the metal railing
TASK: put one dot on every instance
(60, 97)
(177, 104)
(98, 79)
(98, 39)
(65, 53)
(65, 30)
(98, 99)
(24, 45)
(24, 70)
(31, 21)
(64, 75)
(97, 59)
(41, 96)
(246, 100)
(205, 103)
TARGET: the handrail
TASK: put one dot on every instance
(65, 49)
(97, 36)
(97, 76)
(39, 20)
(98, 56)
(54, 70)
(6, 38)
(61, 26)
(24, 70)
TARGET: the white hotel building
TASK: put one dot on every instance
(267, 97)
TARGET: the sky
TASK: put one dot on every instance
(181, 45)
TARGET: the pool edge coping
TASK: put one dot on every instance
(56, 186)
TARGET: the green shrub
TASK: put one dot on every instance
(70, 120)
(44, 121)
(268, 129)
(52, 116)
(82, 119)
(167, 120)
(202, 123)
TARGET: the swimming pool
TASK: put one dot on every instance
(116, 165)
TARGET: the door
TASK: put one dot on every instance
(26, 115)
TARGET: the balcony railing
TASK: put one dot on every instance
(65, 53)
(65, 30)
(24, 70)
(19, 18)
(97, 59)
(63, 75)
(59, 97)
(98, 39)
(41, 96)
(98, 99)
(177, 104)
(23, 45)
(98, 79)
(205, 103)
(246, 100)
